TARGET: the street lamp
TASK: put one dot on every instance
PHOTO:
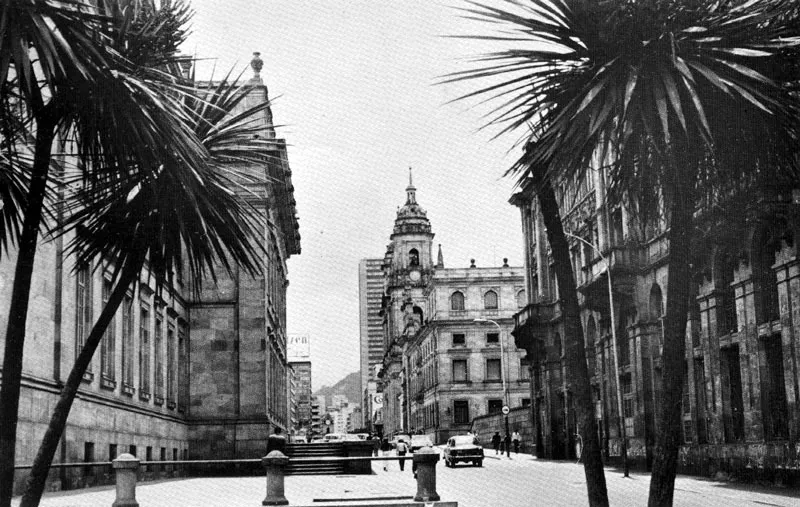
(620, 413)
(503, 369)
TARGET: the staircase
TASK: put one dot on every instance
(315, 451)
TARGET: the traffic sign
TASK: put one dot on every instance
(506, 410)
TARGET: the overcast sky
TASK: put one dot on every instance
(352, 85)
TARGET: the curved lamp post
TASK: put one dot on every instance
(620, 413)
(503, 369)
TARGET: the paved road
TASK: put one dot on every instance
(520, 481)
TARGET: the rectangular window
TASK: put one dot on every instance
(88, 457)
(158, 341)
(132, 450)
(526, 402)
(492, 369)
(172, 392)
(460, 370)
(461, 412)
(732, 403)
(148, 453)
(107, 346)
(773, 390)
(700, 399)
(183, 371)
(495, 406)
(144, 350)
(83, 309)
(524, 370)
(492, 338)
(459, 339)
(112, 451)
(127, 345)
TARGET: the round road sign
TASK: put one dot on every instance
(506, 410)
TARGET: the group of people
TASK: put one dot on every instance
(502, 445)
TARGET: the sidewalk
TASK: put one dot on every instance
(250, 491)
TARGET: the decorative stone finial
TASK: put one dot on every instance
(505, 262)
(472, 263)
(257, 64)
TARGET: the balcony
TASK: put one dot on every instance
(625, 262)
(531, 323)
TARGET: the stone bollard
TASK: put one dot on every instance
(426, 459)
(126, 467)
(275, 463)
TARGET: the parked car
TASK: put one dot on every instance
(351, 437)
(419, 441)
(463, 448)
(334, 437)
(400, 436)
(317, 439)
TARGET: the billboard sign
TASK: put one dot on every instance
(299, 347)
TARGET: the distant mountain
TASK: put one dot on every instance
(348, 386)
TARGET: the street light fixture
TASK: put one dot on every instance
(503, 369)
(620, 413)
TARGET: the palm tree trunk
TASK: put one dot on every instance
(34, 486)
(665, 458)
(18, 311)
(577, 369)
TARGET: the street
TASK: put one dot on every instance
(520, 481)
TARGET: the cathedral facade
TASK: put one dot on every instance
(449, 355)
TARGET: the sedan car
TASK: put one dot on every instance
(463, 448)
(419, 441)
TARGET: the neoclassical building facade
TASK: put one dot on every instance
(181, 373)
(449, 354)
(740, 408)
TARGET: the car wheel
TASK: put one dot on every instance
(479, 463)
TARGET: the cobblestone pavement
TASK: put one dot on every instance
(519, 481)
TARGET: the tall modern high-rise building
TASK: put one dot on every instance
(370, 292)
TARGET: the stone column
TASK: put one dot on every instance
(126, 467)
(275, 463)
(426, 459)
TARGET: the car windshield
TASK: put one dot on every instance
(464, 440)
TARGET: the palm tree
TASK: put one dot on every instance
(82, 70)
(680, 94)
(159, 219)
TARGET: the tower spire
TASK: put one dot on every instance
(440, 258)
(411, 191)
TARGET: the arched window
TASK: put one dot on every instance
(413, 257)
(457, 301)
(768, 243)
(490, 300)
(521, 299)
(656, 307)
(420, 315)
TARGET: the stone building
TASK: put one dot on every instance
(179, 374)
(740, 407)
(441, 367)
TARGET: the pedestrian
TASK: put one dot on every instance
(402, 449)
(515, 437)
(376, 444)
(496, 439)
(507, 445)
(276, 441)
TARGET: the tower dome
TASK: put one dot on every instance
(411, 218)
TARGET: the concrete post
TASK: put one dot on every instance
(126, 467)
(275, 463)
(425, 459)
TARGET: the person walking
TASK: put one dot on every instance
(402, 449)
(516, 438)
(496, 439)
(507, 445)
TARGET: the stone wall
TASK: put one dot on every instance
(519, 419)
